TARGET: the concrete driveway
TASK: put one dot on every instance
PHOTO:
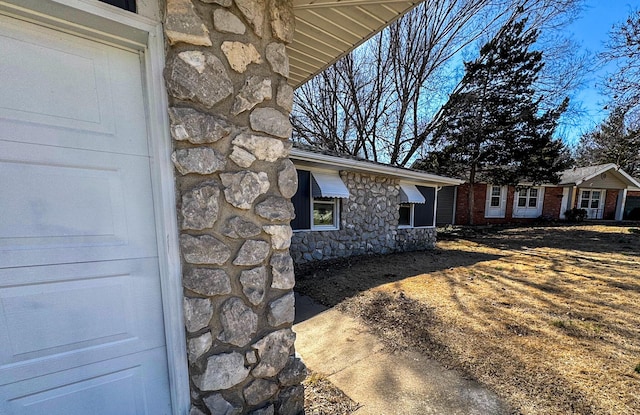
(355, 361)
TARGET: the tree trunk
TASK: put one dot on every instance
(472, 182)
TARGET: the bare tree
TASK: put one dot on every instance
(624, 50)
(382, 102)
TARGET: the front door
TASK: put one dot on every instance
(81, 318)
(593, 202)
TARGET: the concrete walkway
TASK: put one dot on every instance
(354, 360)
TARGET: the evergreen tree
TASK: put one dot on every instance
(492, 128)
(613, 141)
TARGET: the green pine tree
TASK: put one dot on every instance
(492, 128)
(613, 141)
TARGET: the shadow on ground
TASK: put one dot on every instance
(321, 282)
(584, 237)
(535, 313)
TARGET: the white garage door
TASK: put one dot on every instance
(81, 326)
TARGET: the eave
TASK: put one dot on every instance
(327, 30)
(324, 161)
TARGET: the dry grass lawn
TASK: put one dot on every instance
(547, 317)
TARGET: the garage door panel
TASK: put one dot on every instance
(62, 316)
(80, 94)
(73, 206)
(81, 316)
(124, 386)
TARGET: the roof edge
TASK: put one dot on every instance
(371, 167)
(606, 167)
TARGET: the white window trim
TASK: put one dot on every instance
(105, 23)
(435, 206)
(411, 216)
(593, 213)
(503, 202)
(527, 211)
(336, 215)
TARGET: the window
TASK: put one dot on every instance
(496, 192)
(129, 5)
(317, 200)
(417, 206)
(406, 215)
(592, 201)
(325, 213)
(595, 199)
(584, 199)
(528, 202)
(528, 197)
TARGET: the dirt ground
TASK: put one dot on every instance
(322, 398)
(547, 317)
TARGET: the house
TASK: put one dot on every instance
(601, 190)
(145, 209)
(347, 206)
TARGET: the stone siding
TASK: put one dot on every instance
(226, 75)
(368, 224)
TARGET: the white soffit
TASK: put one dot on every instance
(328, 185)
(326, 30)
(409, 193)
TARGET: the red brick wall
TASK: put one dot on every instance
(462, 203)
(552, 202)
(550, 209)
(610, 202)
(551, 205)
(480, 199)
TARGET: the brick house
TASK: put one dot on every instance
(602, 190)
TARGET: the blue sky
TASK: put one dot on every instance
(591, 30)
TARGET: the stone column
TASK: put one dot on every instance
(226, 74)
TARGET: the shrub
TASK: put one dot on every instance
(576, 215)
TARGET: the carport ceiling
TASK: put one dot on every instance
(326, 30)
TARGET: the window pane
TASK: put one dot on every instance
(522, 201)
(533, 202)
(595, 203)
(586, 194)
(129, 5)
(405, 215)
(495, 201)
(323, 214)
(595, 195)
(495, 191)
(533, 192)
(584, 203)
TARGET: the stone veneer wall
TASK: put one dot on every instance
(368, 224)
(229, 104)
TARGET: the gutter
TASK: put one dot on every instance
(370, 167)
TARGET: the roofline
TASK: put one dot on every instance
(371, 167)
(608, 167)
(598, 172)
